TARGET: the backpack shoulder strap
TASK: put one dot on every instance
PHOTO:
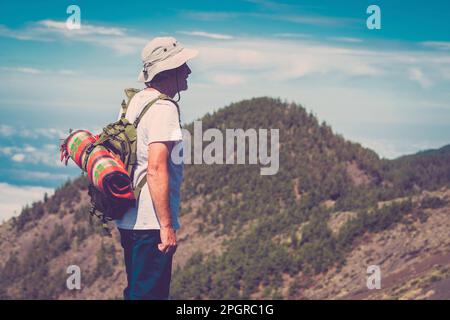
(138, 189)
(141, 184)
(141, 115)
(176, 104)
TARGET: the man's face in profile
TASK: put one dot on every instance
(183, 73)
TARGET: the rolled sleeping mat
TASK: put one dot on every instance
(105, 171)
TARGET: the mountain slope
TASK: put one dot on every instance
(317, 223)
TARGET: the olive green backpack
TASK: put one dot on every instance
(120, 137)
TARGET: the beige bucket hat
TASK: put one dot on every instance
(161, 54)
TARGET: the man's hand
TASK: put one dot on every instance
(168, 240)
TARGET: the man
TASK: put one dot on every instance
(148, 232)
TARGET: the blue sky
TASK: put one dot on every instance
(387, 89)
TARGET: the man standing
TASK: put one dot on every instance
(148, 232)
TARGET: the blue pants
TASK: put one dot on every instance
(148, 269)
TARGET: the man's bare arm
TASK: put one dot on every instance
(158, 182)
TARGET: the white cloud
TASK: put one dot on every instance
(40, 175)
(6, 131)
(292, 35)
(209, 16)
(36, 71)
(86, 29)
(123, 45)
(24, 70)
(47, 154)
(445, 72)
(347, 39)
(283, 59)
(274, 11)
(231, 56)
(50, 30)
(444, 45)
(272, 5)
(228, 79)
(29, 149)
(7, 151)
(13, 198)
(18, 157)
(50, 133)
(314, 20)
(216, 36)
(23, 34)
(67, 72)
(417, 75)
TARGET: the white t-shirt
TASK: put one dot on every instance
(160, 123)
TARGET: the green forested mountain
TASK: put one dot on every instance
(244, 235)
(425, 169)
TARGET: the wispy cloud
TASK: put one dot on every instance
(261, 56)
(112, 37)
(46, 154)
(27, 33)
(444, 45)
(275, 15)
(299, 59)
(209, 16)
(23, 70)
(416, 74)
(37, 133)
(86, 29)
(347, 39)
(315, 20)
(215, 36)
(297, 13)
(18, 157)
(41, 30)
(6, 131)
(36, 71)
(34, 146)
(115, 38)
(27, 175)
(292, 35)
(228, 79)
